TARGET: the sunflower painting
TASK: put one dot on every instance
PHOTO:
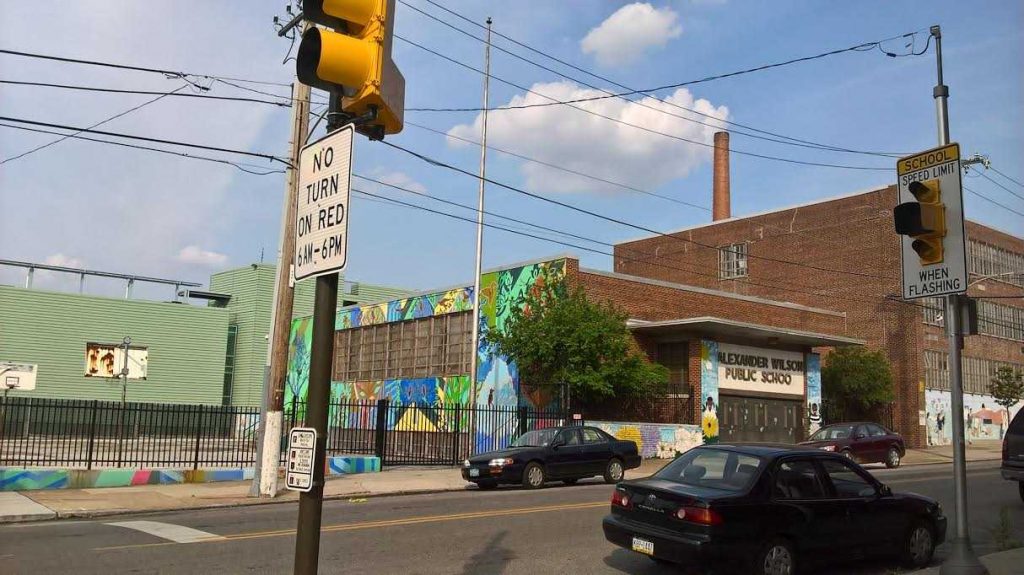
(709, 426)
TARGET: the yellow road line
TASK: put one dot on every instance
(382, 523)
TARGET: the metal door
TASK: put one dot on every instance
(759, 419)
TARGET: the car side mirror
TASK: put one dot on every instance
(555, 444)
(859, 436)
(885, 491)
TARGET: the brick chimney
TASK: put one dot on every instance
(720, 202)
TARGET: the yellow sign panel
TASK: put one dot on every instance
(925, 160)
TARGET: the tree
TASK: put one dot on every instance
(559, 337)
(1007, 387)
(856, 380)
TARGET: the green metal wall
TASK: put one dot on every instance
(186, 344)
(252, 294)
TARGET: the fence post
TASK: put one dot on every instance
(92, 434)
(199, 429)
(380, 429)
(522, 427)
(455, 436)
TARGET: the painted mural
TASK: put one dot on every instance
(984, 419)
(813, 366)
(709, 390)
(655, 440)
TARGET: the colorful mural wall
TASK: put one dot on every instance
(984, 419)
(497, 380)
(812, 364)
(655, 440)
(709, 390)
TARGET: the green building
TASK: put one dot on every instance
(179, 352)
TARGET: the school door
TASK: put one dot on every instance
(759, 419)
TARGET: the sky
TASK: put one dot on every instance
(85, 204)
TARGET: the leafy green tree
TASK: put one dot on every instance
(856, 380)
(1007, 387)
(559, 337)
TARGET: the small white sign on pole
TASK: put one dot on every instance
(301, 456)
(17, 376)
(321, 226)
(941, 166)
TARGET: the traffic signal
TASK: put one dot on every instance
(354, 58)
(923, 220)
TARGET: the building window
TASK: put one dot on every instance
(933, 311)
(977, 373)
(732, 261)
(999, 320)
(426, 347)
(229, 365)
(989, 260)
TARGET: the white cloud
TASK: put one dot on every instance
(63, 261)
(596, 146)
(633, 29)
(198, 256)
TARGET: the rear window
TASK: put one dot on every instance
(833, 432)
(715, 468)
(1017, 425)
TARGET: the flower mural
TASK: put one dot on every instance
(655, 440)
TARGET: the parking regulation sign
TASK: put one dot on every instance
(301, 457)
(321, 226)
(938, 170)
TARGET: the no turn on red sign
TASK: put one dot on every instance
(325, 182)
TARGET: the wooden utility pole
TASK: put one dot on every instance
(265, 478)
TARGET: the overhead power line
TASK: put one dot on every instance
(1007, 177)
(100, 123)
(777, 138)
(636, 126)
(166, 72)
(247, 168)
(987, 177)
(141, 92)
(618, 221)
(146, 139)
(991, 201)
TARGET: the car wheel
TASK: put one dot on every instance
(486, 484)
(849, 455)
(614, 471)
(919, 545)
(892, 459)
(570, 481)
(776, 558)
(533, 476)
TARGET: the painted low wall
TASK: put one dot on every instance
(655, 440)
(984, 419)
(30, 479)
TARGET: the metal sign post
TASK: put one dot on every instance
(321, 250)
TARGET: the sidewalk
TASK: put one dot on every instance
(1003, 563)
(979, 451)
(64, 503)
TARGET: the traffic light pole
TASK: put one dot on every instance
(962, 559)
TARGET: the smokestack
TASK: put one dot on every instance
(720, 202)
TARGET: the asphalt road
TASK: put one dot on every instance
(508, 531)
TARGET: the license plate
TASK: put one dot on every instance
(474, 473)
(643, 546)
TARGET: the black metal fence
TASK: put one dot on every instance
(91, 434)
(884, 414)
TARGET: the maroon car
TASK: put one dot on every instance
(863, 442)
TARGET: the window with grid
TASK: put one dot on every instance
(732, 261)
(933, 311)
(989, 260)
(936, 370)
(1000, 320)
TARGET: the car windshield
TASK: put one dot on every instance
(538, 438)
(715, 468)
(833, 432)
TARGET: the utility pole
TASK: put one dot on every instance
(475, 352)
(268, 459)
(962, 560)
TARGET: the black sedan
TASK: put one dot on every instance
(558, 453)
(765, 509)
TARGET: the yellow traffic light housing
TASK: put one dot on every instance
(923, 220)
(355, 60)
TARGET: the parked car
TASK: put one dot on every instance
(567, 454)
(863, 442)
(767, 509)
(1013, 452)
